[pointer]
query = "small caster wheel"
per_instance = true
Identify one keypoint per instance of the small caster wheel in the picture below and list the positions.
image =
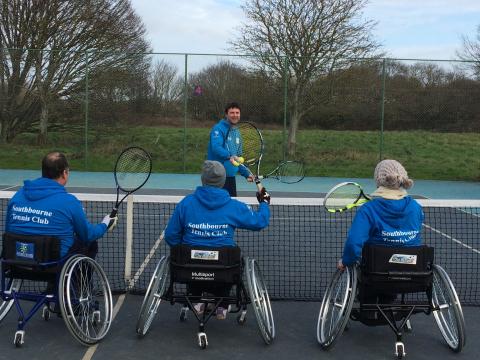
(96, 317)
(46, 313)
(242, 318)
(202, 340)
(19, 336)
(183, 314)
(400, 350)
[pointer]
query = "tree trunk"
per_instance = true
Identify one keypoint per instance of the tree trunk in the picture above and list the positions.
(42, 136)
(294, 122)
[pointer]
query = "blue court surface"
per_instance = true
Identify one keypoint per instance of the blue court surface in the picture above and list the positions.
(180, 184)
(169, 338)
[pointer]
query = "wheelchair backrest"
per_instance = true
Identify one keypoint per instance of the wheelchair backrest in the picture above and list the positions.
(396, 269)
(205, 264)
(30, 249)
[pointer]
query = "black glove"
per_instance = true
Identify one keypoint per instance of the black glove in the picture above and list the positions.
(263, 196)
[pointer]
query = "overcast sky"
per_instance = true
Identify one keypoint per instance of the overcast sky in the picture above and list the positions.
(424, 29)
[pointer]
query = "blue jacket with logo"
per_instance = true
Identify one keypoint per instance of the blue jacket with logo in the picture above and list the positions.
(384, 222)
(43, 207)
(221, 148)
(209, 217)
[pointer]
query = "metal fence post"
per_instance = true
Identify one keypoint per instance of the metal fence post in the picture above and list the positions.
(285, 106)
(382, 109)
(185, 104)
(86, 111)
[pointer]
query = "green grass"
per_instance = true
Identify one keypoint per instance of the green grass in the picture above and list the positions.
(426, 155)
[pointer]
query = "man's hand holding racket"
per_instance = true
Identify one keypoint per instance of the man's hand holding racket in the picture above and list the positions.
(263, 196)
(110, 221)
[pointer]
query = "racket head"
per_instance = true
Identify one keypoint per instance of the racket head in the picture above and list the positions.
(290, 172)
(132, 169)
(245, 140)
(344, 196)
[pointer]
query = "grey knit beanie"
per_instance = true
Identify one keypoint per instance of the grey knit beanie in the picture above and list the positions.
(213, 174)
(392, 175)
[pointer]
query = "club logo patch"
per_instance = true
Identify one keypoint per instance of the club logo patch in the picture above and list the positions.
(24, 250)
(403, 259)
(204, 255)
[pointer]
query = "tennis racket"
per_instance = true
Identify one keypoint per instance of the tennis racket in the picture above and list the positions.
(132, 170)
(246, 142)
(344, 196)
(288, 172)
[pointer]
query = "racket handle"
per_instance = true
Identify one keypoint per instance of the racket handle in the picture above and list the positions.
(114, 212)
(259, 184)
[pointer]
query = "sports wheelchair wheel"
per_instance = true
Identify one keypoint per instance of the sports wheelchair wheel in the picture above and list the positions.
(5, 306)
(336, 306)
(85, 299)
(152, 298)
(447, 310)
(257, 291)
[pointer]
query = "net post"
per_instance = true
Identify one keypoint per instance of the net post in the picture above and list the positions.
(129, 241)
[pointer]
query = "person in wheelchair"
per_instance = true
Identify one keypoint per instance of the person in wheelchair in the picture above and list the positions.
(209, 217)
(49, 239)
(44, 207)
(392, 218)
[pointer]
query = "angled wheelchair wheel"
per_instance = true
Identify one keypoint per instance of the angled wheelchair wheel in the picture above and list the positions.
(85, 299)
(448, 310)
(336, 306)
(152, 298)
(5, 306)
(258, 294)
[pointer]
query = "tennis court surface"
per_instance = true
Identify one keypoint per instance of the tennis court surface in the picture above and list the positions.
(297, 255)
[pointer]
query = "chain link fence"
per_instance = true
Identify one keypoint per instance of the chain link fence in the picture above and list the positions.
(424, 113)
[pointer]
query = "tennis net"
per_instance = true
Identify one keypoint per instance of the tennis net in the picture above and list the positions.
(297, 252)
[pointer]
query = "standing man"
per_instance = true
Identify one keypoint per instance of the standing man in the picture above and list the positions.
(221, 135)
(43, 207)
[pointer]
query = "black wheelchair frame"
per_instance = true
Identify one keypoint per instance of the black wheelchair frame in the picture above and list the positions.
(201, 265)
(368, 293)
(77, 287)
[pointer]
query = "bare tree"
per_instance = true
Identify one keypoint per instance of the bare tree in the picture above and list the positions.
(71, 38)
(304, 39)
(471, 52)
(167, 85)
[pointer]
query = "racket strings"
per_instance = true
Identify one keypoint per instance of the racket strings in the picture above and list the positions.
(343, 196)
(250, 144)
(291, 172)
(133, 169)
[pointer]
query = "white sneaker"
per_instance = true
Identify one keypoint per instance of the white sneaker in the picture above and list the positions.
(221, 313)
(199, 308)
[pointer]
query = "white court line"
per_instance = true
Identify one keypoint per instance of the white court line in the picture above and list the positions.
(91, 350)
(452, 238)
(146, 261)
(8, 188)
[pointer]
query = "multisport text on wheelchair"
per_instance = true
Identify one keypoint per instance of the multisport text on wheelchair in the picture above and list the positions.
(369, 293)
(75, 284)
(191, 266)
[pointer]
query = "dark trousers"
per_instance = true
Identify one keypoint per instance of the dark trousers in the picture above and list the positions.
(231, 185)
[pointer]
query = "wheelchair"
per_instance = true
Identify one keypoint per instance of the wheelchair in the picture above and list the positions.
(202, 267)
(369, 293)
(76, 289)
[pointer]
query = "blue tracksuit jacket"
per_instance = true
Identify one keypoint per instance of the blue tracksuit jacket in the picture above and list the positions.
(209, 217)
(384, 222)
(221, 148)
(43, 207)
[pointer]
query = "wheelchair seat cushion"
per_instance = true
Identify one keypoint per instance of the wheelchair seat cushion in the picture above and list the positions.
(205, 264)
